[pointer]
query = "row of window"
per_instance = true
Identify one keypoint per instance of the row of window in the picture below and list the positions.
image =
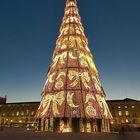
(120, 113)
(20, 120)
(19, 113)
(126, 106)
(126, 120)
(126, 113)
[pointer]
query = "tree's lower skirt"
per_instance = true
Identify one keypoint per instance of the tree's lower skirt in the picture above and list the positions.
(63, 125)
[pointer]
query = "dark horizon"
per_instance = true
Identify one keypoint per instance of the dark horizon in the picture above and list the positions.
(28, 32)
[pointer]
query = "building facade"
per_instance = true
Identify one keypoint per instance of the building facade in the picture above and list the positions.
(18, 114)
(124, 112)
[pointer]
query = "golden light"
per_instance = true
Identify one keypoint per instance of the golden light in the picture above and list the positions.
(112, 122)
(72, 89)
(66, 130)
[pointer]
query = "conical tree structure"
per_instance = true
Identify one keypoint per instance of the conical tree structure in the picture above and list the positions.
(72, 88)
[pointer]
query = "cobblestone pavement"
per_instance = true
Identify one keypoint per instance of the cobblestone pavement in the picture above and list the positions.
(17, 134)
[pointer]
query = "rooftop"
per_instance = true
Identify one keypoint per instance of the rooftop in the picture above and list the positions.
(124, 100)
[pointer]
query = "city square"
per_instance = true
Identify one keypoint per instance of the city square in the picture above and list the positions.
(91, 85)
(19, 134)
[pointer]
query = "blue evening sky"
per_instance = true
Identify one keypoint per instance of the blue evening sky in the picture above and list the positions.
(29, 29)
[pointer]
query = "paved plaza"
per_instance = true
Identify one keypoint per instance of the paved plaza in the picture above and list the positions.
(17, 134)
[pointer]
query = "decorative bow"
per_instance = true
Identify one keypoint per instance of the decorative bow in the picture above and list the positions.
(60, 57)
(57, 99)
(74, 76)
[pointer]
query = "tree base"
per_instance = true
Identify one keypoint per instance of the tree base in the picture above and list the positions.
(63, 125)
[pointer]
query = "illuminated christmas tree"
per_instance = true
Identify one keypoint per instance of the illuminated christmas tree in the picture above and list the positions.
(73, 98)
